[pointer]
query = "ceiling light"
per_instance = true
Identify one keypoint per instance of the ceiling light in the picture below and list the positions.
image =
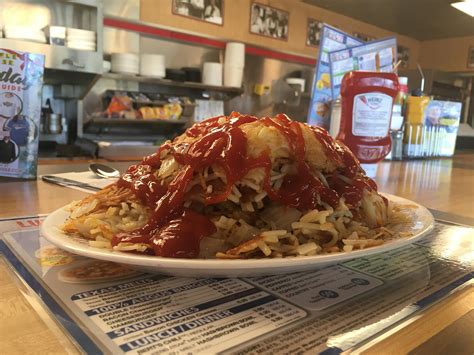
(465, 6)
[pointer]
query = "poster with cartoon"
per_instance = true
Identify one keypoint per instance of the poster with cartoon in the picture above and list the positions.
(21, 81)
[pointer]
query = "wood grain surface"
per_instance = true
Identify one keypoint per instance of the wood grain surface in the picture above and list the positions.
(445, 185)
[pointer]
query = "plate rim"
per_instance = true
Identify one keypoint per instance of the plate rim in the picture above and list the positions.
(164, 263)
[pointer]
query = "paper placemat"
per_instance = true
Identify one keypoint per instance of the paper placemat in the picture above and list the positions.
(329, 310)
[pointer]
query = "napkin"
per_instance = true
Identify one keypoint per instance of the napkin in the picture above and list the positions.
(85, 177)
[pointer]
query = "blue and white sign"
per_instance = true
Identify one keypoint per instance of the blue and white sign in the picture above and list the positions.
(332, 39)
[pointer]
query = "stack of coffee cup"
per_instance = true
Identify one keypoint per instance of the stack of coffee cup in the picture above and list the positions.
(234, 64)
(212, 74)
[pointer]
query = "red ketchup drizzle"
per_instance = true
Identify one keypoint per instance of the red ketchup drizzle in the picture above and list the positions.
(301, 190)
(352, 192)
(180, 238)
(174, 231)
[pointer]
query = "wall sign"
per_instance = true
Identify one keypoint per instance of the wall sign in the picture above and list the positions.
(269, 21)
(205, 10)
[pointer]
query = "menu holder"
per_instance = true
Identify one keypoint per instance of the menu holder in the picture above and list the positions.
(21, 76)
(321, 93)
(376, 56)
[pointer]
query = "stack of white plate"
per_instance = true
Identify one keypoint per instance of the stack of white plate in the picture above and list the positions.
(126, 63)
(152, 65)
(25, 33)
(234, 64)
(80, 39)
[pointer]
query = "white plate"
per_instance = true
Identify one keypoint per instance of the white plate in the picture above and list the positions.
(423, 224)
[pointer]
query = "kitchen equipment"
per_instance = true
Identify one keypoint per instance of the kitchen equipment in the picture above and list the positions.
(176, 74)
(296, 83)
(56, 35)
(308, 76)
(152, 65)
(192, 74)
(212, 74)
(104, 171)
(52, 123)
(126, 63)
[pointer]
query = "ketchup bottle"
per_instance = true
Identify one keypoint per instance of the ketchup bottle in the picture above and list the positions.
(366, 111)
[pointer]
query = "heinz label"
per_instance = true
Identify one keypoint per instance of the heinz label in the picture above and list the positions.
(371, 115)
(21, 81)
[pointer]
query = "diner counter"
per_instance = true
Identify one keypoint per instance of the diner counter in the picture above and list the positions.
(446, 186)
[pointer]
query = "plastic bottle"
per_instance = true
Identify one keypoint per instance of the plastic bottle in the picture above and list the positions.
(403, 93)
(413, 136)
(366, 110)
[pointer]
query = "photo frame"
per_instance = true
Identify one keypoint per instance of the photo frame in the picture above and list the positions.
(403, 54)
(210, 11)
(470, 57)
(268, 21)
(313, 32)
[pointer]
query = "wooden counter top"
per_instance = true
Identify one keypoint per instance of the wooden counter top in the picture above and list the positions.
(443, 185)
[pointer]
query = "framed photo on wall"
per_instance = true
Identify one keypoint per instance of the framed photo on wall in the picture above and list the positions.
(403, 54)
(363, 37)
(205, 10)
(269, 21)
(470, 57)
(313, 32)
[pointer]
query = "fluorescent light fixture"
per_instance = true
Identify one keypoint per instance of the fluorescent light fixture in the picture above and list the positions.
(465, 6)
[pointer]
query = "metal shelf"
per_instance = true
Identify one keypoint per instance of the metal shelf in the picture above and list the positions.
(60, 57)
(147, 121)
(167, 82)
(60, 138)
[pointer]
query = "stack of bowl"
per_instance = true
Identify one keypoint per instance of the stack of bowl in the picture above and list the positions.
(234, 64)
(80, 39)
(152, 65)
(125, 63)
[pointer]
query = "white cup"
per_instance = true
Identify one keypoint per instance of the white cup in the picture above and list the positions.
(212, 74)
(233, 75)
(235, 54)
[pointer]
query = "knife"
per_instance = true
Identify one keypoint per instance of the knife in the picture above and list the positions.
(67, 182)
